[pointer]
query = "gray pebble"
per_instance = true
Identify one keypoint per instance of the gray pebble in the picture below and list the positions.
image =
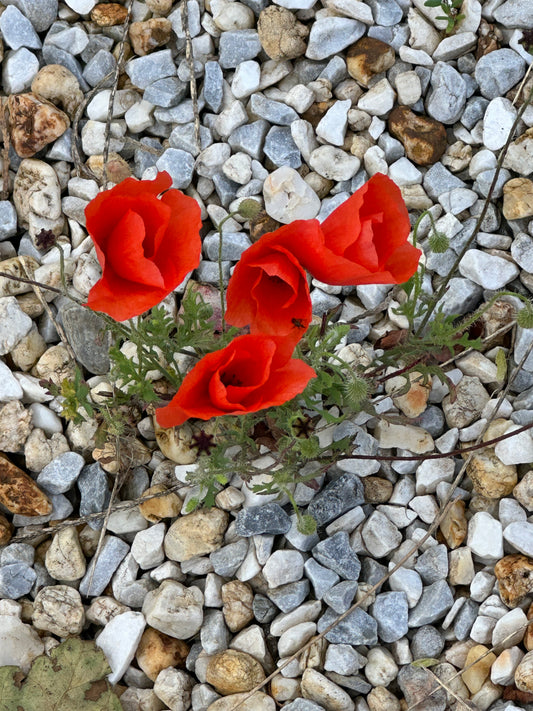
(498, 71)
(17, 553)
(96, 43)
(439, 179)
(303, 705)
(17, 31)
(233, 245)
(420, 690)
(462, 296)
(144, 70)
(432, 565)
(87, 335)
(18, 70)
(226, 189)
(427, 642)
(8, 220)
(180, 166)
(465, 619)
(390, 611)
(330, 35)
(386, 12)
(268, 519)
(356, 628)
(213, 86)
(16, 580)
(166, 92)
(336, 498)
(94, 491)
(281, 148)
(264, 610)
(250, 138)
(341, 596)
(272, 111)
(99, 571)
(59, 476)
(227, 560)
(289, 597)
(238, 46)
(435, 602)
(101, 64)
(322, 579)
(54, 55)
(515, 13)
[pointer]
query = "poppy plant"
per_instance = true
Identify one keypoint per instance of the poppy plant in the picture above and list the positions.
(145, 244)
(248, 375)
(364, 240)
(268, 289)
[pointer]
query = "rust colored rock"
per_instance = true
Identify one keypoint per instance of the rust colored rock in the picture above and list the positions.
(146, 36)
(157, 651)
(515, 578)
(423, 138)
(168, 506)
(19, 493)
(108, 14)
(233, 672)
(368, 57)
(34, 123)
(280, 34)
(518, 198)
(6, 530)
(454, 525)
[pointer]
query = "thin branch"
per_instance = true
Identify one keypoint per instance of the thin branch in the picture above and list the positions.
(190, 63)
(4, 118)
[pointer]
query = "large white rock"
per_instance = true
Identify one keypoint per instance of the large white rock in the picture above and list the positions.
(288, 197)
(119, 641)
(19, 643)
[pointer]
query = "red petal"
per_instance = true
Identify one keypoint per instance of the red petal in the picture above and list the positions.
(125, 253)
(122, 299)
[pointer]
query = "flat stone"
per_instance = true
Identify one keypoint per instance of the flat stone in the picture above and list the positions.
(390, 610)
(357, 628)
(238, 46)
(59, 476)
(17, 31)
(340, 596)
(268, 519)
(330, 35)
(435, 602)
(283, 566)
(94, 492)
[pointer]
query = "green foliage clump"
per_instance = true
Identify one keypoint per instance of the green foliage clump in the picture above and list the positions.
(450, 8)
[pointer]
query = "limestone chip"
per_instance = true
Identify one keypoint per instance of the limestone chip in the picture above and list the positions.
(36, 190)
(58, 84)
(174, 609)
(479, 672)
(157, 651)
(233, 672)
(196, 534)
(16, 267)
(34, 123)
(280, 34)
(58, 609)
(320, 689)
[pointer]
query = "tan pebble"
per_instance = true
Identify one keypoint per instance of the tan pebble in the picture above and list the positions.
(117, 169)
(454, 525)
(515, 578)
(319, 688)
(518, 198)
(176, 443)
(157, 651)
(167, 506)
(64, 558)
(161, 7)
(196, 534)
(19, 493)
(58, 609)
(523, 491)
(381, 699)
(523, 676)
(108, 14)
(239, 702)
(423, 138)
(238, 600)
(528, 637)
(475, 676)
(102, 609)
(233, 672)
(368, 57)
(34, 123)
(133, 453)
(284, 689)
(377, 490)
(490, 477)
(413, 402)
(58, 84)
(461, 567)
(415, 197)
(28, 350)
(146, 36)
(16, 267)
(280, 33)
(55, 364)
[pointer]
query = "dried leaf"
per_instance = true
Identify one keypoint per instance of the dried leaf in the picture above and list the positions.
(72, 677)
(425, 662)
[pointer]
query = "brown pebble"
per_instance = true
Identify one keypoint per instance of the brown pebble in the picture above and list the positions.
(238, 600)
(454, 525)
(108, 14)
(377, 490)
(528, 637)
(423, 138)
(34, 123)
(160, 507)
(157, 651)
(368, 57)
(518, 198)
(6, 530)
(19, 493)
(280, 34)
(515, 578)
(146, 36)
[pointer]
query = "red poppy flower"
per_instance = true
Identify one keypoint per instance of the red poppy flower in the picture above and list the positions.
(364, 240)
(250, 374)
(268, 289)
(145, 245)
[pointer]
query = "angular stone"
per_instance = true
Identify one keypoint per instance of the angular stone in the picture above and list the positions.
(390, 611)
(58, 609)
(174, 609)
(280, 34)
(357, 628)
(34, 123)
(100, 571)
(338, 497)
(196, 534)
(19, 493)
(423, 138)
(336, 554)
(269, 519)
(435, 602)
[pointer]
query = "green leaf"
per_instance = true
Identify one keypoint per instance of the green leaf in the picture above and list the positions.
(433, 3)
(72, 677)
(425, 662)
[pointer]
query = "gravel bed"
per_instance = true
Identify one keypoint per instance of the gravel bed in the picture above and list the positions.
(299, 104)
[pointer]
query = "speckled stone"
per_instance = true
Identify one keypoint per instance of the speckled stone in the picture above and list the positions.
(336, 498)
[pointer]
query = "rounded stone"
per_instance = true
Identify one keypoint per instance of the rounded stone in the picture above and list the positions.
(196, 534)
(233, 672)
